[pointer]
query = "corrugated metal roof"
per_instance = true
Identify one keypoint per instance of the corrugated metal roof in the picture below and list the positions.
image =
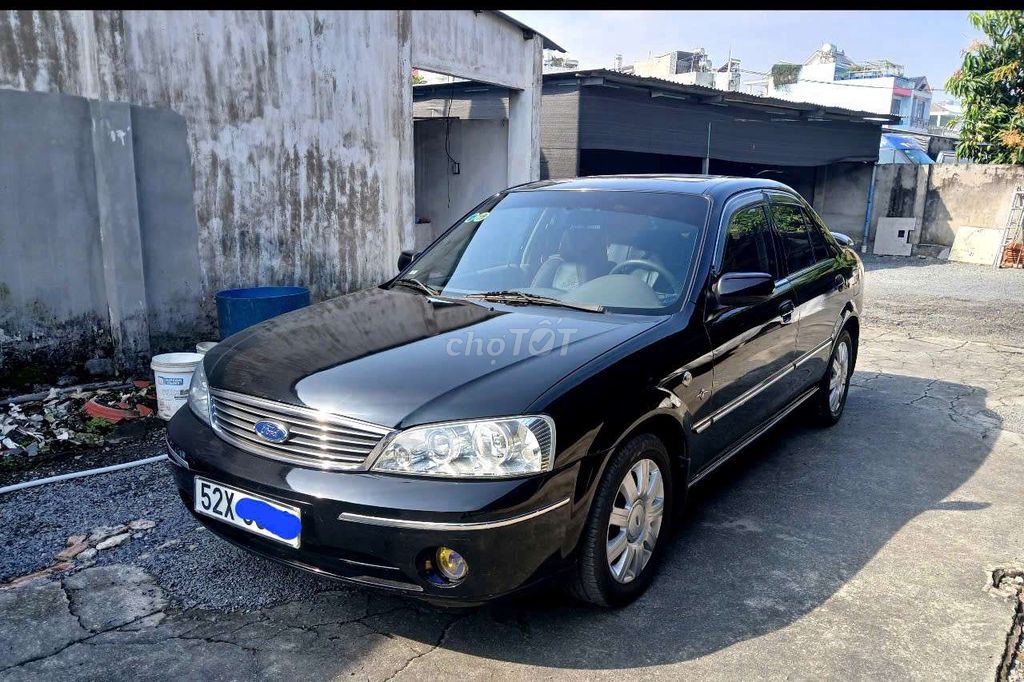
(727, 96)
(900, 141)
(548, 43)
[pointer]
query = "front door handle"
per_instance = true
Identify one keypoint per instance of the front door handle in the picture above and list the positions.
(786, 310)
(840, 282)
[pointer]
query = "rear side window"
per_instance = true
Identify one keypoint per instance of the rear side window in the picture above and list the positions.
(821, 247)
(824, 248)
(792, 225)
(748, 243)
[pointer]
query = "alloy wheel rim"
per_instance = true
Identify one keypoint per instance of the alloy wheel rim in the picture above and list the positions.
(635, 521)
(838, 376)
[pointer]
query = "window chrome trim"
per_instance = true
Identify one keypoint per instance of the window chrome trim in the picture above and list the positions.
(737, 202)
(450, 525)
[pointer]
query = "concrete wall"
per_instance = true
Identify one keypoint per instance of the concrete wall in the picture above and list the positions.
(479, 147)
(99, 255)
(484, 47)
(841, 196)
(298, 131)
(170, 233)
(52, 292)
(942, 198)
(967, 194)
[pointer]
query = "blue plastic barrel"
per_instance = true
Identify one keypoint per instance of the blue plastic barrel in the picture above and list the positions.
(241, 308)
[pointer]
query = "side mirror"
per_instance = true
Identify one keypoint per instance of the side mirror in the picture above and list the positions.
(743, 288)
(405, 258)
(843, 239)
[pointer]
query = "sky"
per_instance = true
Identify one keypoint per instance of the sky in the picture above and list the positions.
(927, 43)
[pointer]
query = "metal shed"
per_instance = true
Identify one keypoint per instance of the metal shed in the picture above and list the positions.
(595, 122)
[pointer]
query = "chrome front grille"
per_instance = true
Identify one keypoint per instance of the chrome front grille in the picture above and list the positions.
(318, 439)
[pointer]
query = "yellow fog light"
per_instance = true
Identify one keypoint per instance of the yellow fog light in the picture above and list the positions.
(451, 564)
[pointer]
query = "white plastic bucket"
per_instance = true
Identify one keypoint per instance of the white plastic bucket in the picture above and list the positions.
(204, 347)
(173, 376)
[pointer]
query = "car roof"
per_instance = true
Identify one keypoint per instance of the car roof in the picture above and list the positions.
(716, 186)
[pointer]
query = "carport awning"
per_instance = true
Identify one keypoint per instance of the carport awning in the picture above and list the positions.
(624, 121)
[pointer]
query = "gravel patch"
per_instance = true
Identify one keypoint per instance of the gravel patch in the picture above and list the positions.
(931, 297)
(195, 567)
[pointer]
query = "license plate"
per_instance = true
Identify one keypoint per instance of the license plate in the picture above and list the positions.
(253, 513)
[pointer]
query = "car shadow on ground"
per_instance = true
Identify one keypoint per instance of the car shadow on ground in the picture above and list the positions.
(766, 539)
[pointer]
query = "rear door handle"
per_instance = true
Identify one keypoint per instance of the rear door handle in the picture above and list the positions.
(786, 310)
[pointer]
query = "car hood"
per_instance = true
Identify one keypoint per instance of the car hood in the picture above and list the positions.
(398, 358)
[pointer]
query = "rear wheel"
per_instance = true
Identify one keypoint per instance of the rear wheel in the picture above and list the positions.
(628, 525)
(830, 401)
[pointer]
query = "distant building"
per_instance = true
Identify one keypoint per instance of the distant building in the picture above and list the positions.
(945, 115)
(422, 77)
(557, 63)
(688, 68)
(831, 78)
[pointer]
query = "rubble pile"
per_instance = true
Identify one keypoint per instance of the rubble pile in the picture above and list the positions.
(65, 420)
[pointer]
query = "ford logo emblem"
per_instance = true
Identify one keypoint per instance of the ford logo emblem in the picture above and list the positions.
(272, 432)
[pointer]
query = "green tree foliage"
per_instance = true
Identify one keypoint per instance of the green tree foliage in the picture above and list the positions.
(990, 86)
(785, 74)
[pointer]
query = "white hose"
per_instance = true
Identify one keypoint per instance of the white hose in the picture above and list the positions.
(80, 474)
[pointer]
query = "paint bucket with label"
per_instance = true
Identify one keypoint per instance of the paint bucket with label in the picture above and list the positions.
(173, 376)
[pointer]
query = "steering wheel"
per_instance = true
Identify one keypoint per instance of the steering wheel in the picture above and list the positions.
(628, 266)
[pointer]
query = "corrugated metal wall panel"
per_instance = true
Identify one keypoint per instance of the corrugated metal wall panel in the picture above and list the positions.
(628, 120)
(559, 131)
(489, 103)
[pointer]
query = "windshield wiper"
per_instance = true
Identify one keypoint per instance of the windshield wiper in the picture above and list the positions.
(416, 284)
(509, 296)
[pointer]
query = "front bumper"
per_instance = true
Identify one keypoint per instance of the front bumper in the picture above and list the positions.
(376, 529)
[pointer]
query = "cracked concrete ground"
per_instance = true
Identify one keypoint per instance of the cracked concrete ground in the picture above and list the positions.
(864, 551)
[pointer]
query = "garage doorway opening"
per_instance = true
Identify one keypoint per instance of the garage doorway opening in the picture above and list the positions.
(460, 149)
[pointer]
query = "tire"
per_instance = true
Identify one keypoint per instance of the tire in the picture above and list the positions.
(595, 580)
(828, 405)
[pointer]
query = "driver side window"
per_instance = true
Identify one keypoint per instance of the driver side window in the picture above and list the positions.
(749, 246)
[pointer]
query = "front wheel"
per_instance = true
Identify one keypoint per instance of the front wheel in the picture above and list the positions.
(830, 401)
(628, 525)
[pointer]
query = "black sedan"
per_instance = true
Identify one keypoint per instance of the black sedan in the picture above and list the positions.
(533, 395)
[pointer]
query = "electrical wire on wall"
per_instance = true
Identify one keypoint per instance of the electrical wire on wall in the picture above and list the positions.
(452, 163)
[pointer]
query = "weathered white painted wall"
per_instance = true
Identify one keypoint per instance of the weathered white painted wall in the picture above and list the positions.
(490, 50)
(959, 195)
(299, 123)
(295, 124)
(476, 45)
(865, 94)
(480, 147)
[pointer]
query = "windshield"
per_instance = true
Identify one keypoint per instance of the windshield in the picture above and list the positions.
(627, 251)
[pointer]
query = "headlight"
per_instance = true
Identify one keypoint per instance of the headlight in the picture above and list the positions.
(488, 448)
(199, 394)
